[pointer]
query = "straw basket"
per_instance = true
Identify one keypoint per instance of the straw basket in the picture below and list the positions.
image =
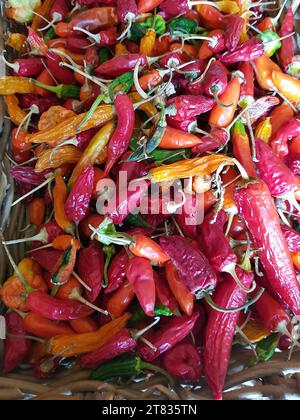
(276, 379)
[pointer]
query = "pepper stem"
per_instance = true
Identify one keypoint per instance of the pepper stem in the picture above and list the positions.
(130, 20)
(150, 366)
(56, 18)
(76, 296)
(230, 269)
(50, 179)
(88, 288)
(138, 334)
(110, 252)
(218, 308)
(275, 20)
(93, 79)
(137, 85)
(42, 236)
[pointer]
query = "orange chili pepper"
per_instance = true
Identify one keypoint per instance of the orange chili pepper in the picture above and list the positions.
(45, 78)
(63, 242)
(296, 259)
(62, 29)
(54, 116)
(16, 114)
(242, 149)
(37, 210)
(264, 130)
(265, 25)
(178, 139)
(120, 300)
(18, 42)
(279, 116)
(254, 329)
(65, 290)
(54, 158)
(39, 326)
(205, 51)
(161, 46)
(60, 195)
(149, 80)
(84, 325)
(85, 343)
(189, 50)
(148, 42)
(9, 85)
(264, 67)
(42, 10)
(145, 6)
(183, 296)
(120, 49)
(221, 117)
(147, 248)
(287, 85)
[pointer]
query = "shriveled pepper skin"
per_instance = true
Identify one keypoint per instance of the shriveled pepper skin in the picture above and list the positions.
(256, 206)
(184, 362)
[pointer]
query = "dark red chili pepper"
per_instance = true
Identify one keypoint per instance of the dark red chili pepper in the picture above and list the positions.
(85, 137)
(184, 125)
(133, 169)
(121, 343)
(60, 10)
(117, 271)
(53, 231)
(287, 50)
(273, 171)
(188, 106)
(164, 295)
(127, 11)
(292, 238)
(92, 56)
(95, 19)
(43, 104)
(27, 67)
(216, 140)
(292, 160)
(121, 64)
(233, 31)
(77, 44)
(120, 140)
(215, 81)
(47, 258)
(183, 361)
(271, 313)
(173, 332)
(56, 309)
(221, 328)
(247, 51)
(191, 264)
(90, 269)
(16, 349)
(173, 58)
(108, 37)
(279, 142)
(187, 216)
(78, 201)
(256, 206)
(140, 275)
(27, 175)
(175, 8)
(247, 87)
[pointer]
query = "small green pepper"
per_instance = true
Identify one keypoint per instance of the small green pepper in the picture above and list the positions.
(136, 220)
(61, 91)
(139, 315)
(270, 40)
(157, 23)
(183, 25)
(137, 32)
(104, 55)
(109, 251)
(265, 349)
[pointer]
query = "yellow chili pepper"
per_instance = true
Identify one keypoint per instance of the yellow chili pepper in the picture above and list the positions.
(16, 114)
(69, 128)
(229, 7)
(18, 42)
(102, 156)
(289, 86)
(91, 153)
(9, 85)
(75, 344)
(55, 115)
(53, 158)
(189, 168)
(148, 42)
(264, 130)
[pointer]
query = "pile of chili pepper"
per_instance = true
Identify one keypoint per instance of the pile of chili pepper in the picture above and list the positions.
(198, 98)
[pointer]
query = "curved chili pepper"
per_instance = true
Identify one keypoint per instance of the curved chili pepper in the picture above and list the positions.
(288, 85)
(247, 51)
(279, 142)
(187, 106)
(183, 361)
(140, 275)
(287, 50)
(220, 330)
(191, 264)
(37, 210)
(256, 207)
(65, 266)
(264, 67)
(211, 17)
(221, 117)
(90, 269)
(173, 332)
(147, 248)
(39, 326)
(27, 67)
(183, 296)
(60, 195)
(121, 64)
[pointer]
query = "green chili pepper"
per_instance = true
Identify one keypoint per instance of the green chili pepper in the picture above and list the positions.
(61, 91)
(265, 349)
(186, 26)
(270, 40)
(294, 69)
(139, 315)
(157, 23)
(109, 251)
(121, 84)
(153, 143)
(104, 55)
(137, 32)
(161, 156)
(50, 34)
(126, 367)
(136, 220)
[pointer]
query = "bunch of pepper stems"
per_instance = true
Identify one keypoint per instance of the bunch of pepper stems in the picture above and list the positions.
(163, 91)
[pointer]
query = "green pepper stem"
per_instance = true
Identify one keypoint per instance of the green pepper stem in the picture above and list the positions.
(218, 308)
(54, 89)
(110, 252)
(77, 296)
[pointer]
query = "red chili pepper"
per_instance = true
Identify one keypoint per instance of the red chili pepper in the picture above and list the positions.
(145, 6)
(56, 309)
(292, 160)
(187, 216)
(211, 17)
(215, 81)
(121, 64)
(120, 300)
(133, 169)
(242, 149)
(92, 56)
(292, 238)
(163, 293)
(220, 330)
(127, 11)
(279, 142)
(108, 37)
(183, 296)
(117, 271)
(121, 343)
(183, 361)
(191, 264)
(39, 326)
(247, 87)
(84, 325)
(120, 140)
(272, 314)
(90, 269)
(256, 206)
(77, 44)
(247, 51)
(27, 175)
(27, 67)
(215, 46)
(16, 349)
(78, 202)
(287, 50)
(173, 331)
(47, 258)
(43, 104)
(216, 140)
(52, 230)
(140, 275)
(60, 10)
(273, 171)
(187, 106)
(233, 31)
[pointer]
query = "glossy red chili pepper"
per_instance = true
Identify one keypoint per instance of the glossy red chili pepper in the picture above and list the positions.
(16, 349)
(171, 333)
(247, 51)
(78, 201)
(27, 175)
(174, 58)
(127, 10)
(211, 17)
(271, 313)
(215, 46)
(279, 142)
(77, 44)
(140, 275)
(90, 269)
(233, 31)
(216, 140)
(256, 206)
(108, 37)
(121, 343)
(164, 295)
(292, 160)
(273, 171)
(191, 264)
(43, 104)
(188, 106)
(27, 67)
(292, 238)
(92, 56)
(56, 309)
(183, 361)
(287, 50)
(221, 328)
(247, 87)
(188, 216)
(215, 81)
(117, 271)
(120, 140)
(60, 10)
(121, 64)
